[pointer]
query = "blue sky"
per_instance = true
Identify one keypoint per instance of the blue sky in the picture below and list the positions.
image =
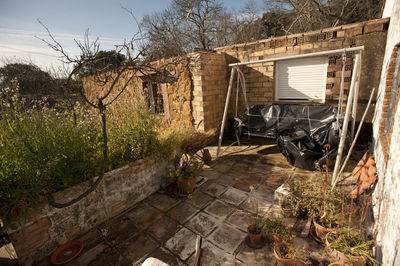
(68, 19)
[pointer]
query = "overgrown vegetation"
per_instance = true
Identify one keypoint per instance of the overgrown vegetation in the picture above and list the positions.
(306, 198)
(350, 244)
(43, 150)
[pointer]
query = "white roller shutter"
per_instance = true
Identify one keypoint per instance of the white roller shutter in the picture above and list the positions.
(301, 79)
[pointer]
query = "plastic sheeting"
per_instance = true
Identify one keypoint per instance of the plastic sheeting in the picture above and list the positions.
(301, 131)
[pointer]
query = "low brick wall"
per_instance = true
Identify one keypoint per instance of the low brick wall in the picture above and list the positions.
(120, 189)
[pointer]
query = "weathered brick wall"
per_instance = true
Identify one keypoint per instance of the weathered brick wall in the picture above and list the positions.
(386, 133)
(260, 80)
(39, 236)
(213, 88)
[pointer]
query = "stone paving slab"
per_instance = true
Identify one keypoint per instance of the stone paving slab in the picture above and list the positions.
(162, 202)
(199, 199)
(167, 257)
(226, 180)
(182, 244)
(202, 224)
(144, 215)
(219, 209)
(213, 189)
(261, 257)
(234, 196)
(120, 229)
(265, 192)
(210, 173)
(227, 237)
(110, 257)
(239, 219)
(182, 212)
(138, 247)
(163, 228)
(212, 255)
(264, 206)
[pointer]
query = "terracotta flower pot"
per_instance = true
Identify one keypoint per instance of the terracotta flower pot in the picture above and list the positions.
(186, 186)
(277, 239)
(67, 252)
(254, 238)
(283, 261)
(321, 231)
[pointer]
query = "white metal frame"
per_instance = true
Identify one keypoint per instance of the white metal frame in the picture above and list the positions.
(352, 98)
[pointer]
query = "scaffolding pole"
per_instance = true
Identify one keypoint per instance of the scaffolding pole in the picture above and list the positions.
(343, 133)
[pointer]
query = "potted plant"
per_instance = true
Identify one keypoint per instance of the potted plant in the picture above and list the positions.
(277, 230)
(315, 199)
(255, 228)
(349, 247)
(255, 225)
(284, 253)
(185, 173)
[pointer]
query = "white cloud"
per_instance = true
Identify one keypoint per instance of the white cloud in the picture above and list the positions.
(23, 44)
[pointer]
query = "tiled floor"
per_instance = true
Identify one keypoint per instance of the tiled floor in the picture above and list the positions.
(166, 228)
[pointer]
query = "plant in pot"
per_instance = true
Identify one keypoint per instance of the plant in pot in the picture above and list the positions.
(186, 173)
(277, 230)
(315, 199)
(255, 225)
(285, 253)
(349, 247)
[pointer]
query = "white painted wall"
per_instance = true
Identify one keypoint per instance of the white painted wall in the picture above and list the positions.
(386, 200)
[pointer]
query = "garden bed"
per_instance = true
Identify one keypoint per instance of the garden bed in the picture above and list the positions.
(42, 232)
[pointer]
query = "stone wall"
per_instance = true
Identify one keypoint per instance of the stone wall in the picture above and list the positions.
(176, 84)
(49, 227)
(386, 202)
(260, 83)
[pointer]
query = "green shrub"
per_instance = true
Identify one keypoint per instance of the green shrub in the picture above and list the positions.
(132, 136)
(43, 152)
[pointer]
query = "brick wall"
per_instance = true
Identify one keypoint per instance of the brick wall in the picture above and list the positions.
(386, 127)
(260, 80)
(390, 102)
(39, 236)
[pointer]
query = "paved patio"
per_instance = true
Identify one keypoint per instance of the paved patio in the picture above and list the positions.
(166, 228)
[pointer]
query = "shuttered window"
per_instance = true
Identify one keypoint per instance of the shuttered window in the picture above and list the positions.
(301, 79)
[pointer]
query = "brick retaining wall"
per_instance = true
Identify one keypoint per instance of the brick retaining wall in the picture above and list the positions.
(38, 236)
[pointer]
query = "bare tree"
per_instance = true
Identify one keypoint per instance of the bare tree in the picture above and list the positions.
(164, 34)
(307, 15)
(111, 78)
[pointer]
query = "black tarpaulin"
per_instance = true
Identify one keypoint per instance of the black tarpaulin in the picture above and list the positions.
(301, 131)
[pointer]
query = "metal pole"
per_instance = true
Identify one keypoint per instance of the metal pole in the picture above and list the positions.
(340, 105)
(246, 105)
(355, 99)
(228, 96)
(346, 120)
(351, 49)
(355, 138)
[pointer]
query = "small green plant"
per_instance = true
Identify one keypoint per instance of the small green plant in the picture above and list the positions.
(187, 167)
(275, 227)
